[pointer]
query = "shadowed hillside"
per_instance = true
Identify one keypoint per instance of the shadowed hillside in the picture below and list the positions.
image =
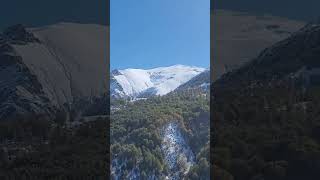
(238, 37)
(54, 102)
(266, 113)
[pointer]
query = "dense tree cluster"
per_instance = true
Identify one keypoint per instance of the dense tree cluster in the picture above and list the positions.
(269, 132)
(136, 131)
(34, 147)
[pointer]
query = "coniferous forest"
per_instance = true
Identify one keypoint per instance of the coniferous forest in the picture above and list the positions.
(34, 147)
(136, 134)
(266, 114)
(272, 133)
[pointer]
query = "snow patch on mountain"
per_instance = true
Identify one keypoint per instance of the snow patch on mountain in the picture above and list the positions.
(201, 81)
(178, 155)
(144, 83)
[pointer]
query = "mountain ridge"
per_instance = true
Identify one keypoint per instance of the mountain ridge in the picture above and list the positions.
(139, 83)
(279, 62)
(60, 62)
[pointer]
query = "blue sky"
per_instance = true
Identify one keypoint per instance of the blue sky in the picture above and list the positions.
(153, 33)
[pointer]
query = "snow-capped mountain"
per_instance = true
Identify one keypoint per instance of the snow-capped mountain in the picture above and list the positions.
(138, 83)
(201, 81)
(46, 68)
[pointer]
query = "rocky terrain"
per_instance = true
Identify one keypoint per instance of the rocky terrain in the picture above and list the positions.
(55, 67)
(178, 154)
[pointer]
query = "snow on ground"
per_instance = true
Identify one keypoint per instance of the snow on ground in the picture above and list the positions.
(205, 85)
(157, 81)
(176, 150)
(117, 171)
(178, 156)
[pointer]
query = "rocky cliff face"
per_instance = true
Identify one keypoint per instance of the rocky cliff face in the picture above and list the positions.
(20, 91)
(62, 66)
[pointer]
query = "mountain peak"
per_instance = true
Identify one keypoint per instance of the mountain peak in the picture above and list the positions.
(18, 34)
(147, 82)
(115, 72)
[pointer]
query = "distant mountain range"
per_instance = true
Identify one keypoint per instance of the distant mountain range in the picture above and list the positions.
(142, 83)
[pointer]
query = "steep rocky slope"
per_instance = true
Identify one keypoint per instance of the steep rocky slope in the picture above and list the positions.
(49, 68)
(294, 57)
(238, 37)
